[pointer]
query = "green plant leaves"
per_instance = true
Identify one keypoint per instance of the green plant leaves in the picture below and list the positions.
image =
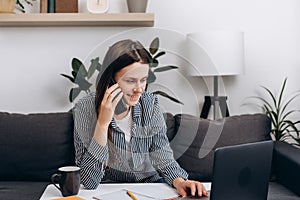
(81, 75)
(83, 83)
(79, 68)
(76, 64)
(154, 46)
(20, 4)
(151, 77)
(165, 68)
(68, 77)
(159, 54)
(276, 110)
(154, 63)
(93, 67)
(74, 92)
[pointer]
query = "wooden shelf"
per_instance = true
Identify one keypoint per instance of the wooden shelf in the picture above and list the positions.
(76, 19)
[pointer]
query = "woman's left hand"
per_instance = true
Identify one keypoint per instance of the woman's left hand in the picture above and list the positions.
(189, 187)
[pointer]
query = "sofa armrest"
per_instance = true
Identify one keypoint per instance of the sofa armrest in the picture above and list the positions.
(286, 158)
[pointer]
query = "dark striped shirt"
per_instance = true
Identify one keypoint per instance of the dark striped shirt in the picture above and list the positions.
(151, 156)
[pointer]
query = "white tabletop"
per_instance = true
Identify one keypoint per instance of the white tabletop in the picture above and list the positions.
(155, 190)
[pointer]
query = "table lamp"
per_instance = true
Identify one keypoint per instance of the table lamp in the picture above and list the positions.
(215, 54)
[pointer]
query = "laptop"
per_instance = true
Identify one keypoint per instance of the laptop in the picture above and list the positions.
(241, 172)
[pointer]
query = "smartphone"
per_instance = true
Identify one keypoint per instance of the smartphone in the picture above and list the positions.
(121, 106)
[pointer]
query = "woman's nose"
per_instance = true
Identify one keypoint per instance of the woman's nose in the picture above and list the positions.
(138, 87)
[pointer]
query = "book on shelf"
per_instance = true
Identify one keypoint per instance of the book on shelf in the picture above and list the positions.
(66, 6)
(51, 6)
(43, 6)
(58, 6)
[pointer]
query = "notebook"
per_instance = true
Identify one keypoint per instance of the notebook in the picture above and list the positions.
(241, 172)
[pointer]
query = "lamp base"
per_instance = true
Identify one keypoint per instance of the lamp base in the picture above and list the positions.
(211, 101)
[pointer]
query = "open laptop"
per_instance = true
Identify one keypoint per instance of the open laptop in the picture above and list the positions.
(241, 172)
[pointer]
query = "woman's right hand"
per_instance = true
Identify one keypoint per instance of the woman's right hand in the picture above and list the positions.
(109, 102)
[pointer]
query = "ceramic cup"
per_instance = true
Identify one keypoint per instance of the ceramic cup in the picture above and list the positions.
(137, 6)
(68, 179)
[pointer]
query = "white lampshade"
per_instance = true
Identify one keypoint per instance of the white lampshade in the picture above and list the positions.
(215, 53)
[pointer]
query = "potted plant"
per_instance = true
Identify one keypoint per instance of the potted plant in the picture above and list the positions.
(155, 68)
(8, 6)
(80, 75)
(20, 4)
(283, 128)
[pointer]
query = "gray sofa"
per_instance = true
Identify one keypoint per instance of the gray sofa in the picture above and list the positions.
(33, 146)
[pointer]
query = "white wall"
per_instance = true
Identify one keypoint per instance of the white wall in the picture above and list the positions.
(33, 58)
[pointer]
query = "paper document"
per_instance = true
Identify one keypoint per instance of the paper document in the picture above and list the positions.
(142, 192)
(122, 194)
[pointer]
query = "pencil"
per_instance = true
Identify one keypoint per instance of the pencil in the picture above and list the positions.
(131, 195)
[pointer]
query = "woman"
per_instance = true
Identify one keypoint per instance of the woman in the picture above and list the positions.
(129, 145)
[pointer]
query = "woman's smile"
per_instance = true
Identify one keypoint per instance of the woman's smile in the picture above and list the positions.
(135, 97)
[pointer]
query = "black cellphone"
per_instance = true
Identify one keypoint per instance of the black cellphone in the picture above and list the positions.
(121, 106)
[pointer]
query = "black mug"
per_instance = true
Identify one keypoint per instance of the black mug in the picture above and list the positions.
(68, 179)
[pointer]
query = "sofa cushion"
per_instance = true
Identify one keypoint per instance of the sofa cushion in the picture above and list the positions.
(11, 190)
(279, 192)
(170, 122)
(197, 138)
(33, 146)
(287, 165)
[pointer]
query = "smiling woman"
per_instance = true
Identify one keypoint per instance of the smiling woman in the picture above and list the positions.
(131, 146)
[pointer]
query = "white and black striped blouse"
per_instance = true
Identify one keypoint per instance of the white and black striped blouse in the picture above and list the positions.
(151, 156)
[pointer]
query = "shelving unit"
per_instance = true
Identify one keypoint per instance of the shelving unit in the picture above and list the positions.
(76, 19)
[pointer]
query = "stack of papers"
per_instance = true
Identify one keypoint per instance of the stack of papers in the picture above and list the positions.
(153, 191)
(143, 192)
(122, 194)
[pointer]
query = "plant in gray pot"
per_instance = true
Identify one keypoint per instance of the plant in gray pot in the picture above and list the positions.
(137, 6)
